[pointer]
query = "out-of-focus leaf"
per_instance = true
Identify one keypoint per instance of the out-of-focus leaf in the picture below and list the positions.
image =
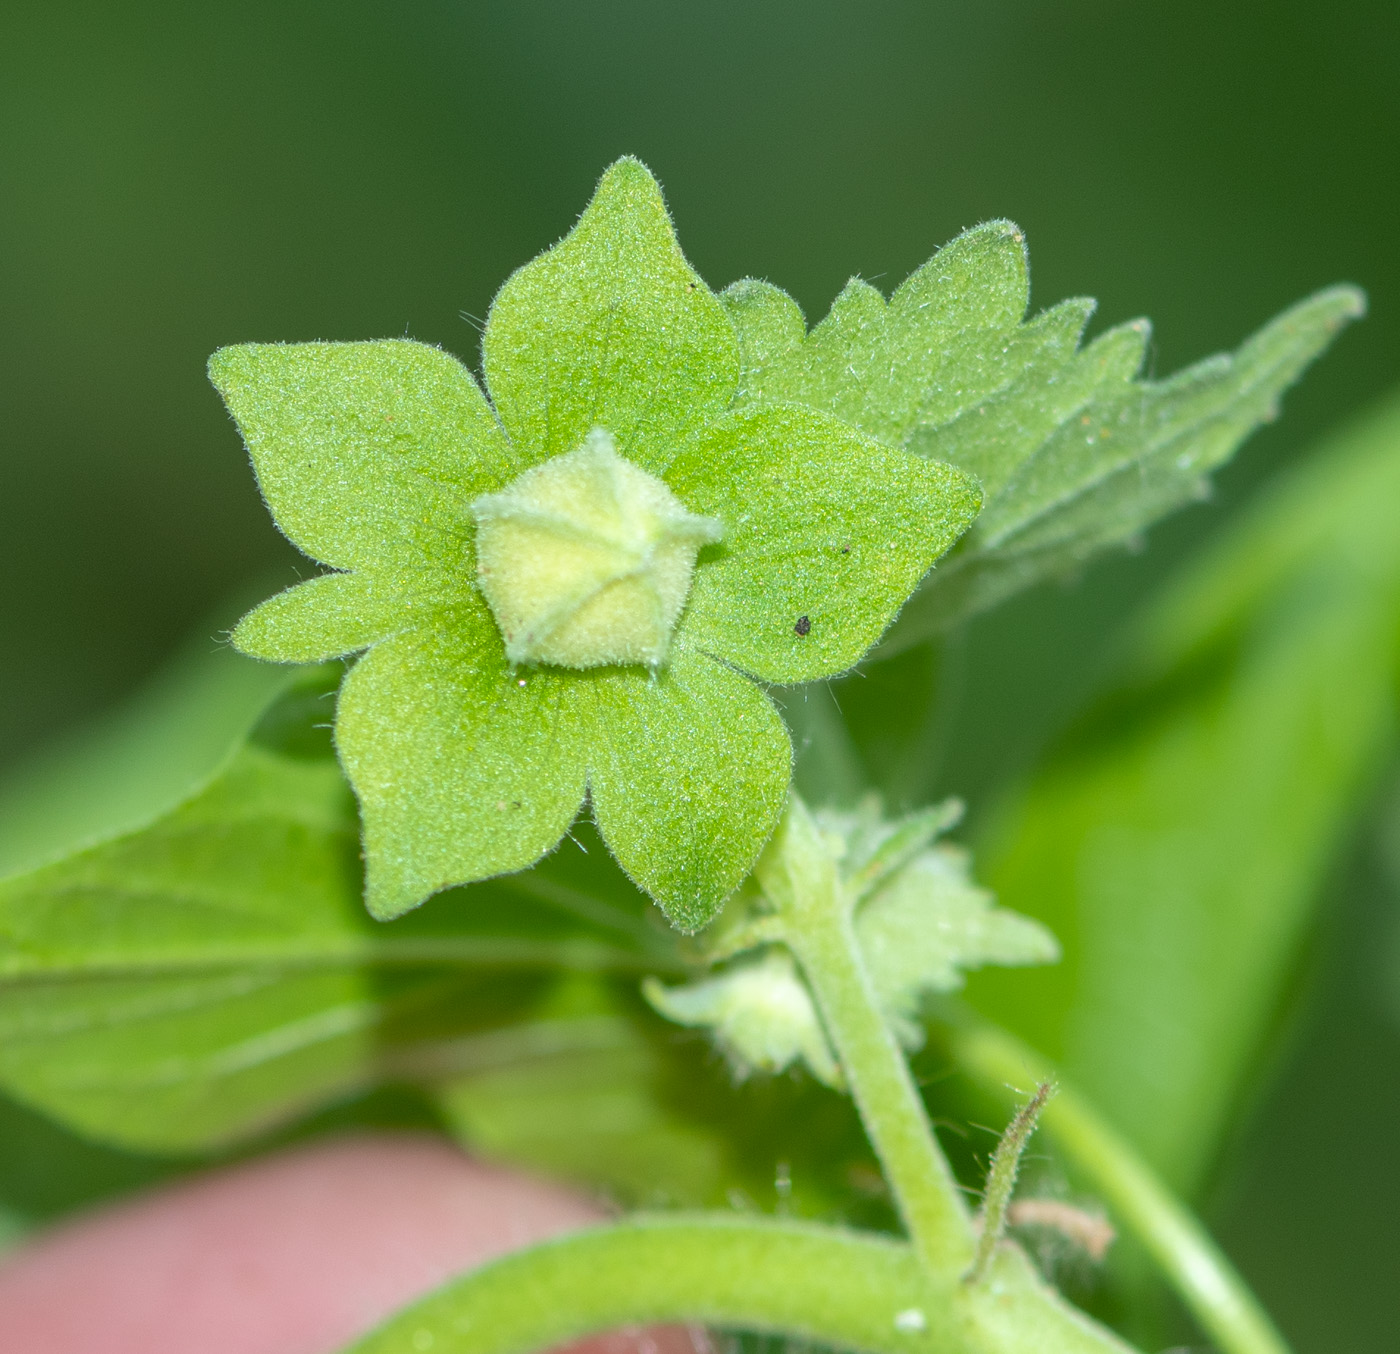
(577, 1093)
(1177, 841)
(1073, 453)
(597, 1090)
(214, 973)
(138, 762)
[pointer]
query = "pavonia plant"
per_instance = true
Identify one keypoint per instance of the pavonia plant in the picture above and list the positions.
(517, 811)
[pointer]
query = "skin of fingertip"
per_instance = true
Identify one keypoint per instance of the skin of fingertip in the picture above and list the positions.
(297, 1252)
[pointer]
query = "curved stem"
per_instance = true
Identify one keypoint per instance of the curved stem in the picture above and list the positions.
(1207, 1282)
(852, 1290)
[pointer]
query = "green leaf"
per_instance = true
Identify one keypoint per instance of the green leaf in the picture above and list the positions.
(927, 926)
(367, 453)
(827, 533)
(670, 758)
(136, 762)
(1073, 454)
(213, 974)
(1123, 458)
(463, 768)
(611, 328)
(577, 1093)
(937, 347)
(1178, 840)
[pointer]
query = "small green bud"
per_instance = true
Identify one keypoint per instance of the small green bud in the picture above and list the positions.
(760, 1012)
(586, 559)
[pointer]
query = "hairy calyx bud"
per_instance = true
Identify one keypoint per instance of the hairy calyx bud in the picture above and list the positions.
(586, 559)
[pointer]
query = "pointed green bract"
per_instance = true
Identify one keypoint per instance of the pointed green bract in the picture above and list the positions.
(338, 614)
(464, 769)
(367, 453)
(610, 329)
(671, 759)
(813, 566)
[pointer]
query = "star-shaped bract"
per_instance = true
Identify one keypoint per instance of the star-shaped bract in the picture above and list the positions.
(371, 456)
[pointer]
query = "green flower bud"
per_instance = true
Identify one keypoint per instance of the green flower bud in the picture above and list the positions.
(586, 559)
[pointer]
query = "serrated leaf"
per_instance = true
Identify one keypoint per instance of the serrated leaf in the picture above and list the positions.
(938, 343)
(611, 328)
(1074, 455)
(1178, 839)
(813, 565)
(1129, 455)
(213, 974)
(929, 925)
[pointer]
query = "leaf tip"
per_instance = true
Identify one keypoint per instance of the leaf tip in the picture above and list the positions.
(627, 181)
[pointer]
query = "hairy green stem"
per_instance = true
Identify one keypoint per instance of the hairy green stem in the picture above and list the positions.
(847, 1289)
(1206, 1281)
(821, 932)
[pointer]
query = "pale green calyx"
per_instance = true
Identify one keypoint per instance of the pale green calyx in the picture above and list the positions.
(389, 463)
(586, 559)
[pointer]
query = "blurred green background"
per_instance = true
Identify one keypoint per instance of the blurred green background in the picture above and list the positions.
(177, 177)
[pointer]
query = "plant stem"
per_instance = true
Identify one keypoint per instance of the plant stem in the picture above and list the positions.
(799, 1280)
(1207, 1282)
(821, 933)
(718, 1270)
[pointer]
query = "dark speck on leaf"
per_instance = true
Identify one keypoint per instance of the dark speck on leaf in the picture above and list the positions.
(802, 627)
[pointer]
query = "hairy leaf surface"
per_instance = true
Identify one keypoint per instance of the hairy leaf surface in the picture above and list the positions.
(1073, 453)
(470, 756)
